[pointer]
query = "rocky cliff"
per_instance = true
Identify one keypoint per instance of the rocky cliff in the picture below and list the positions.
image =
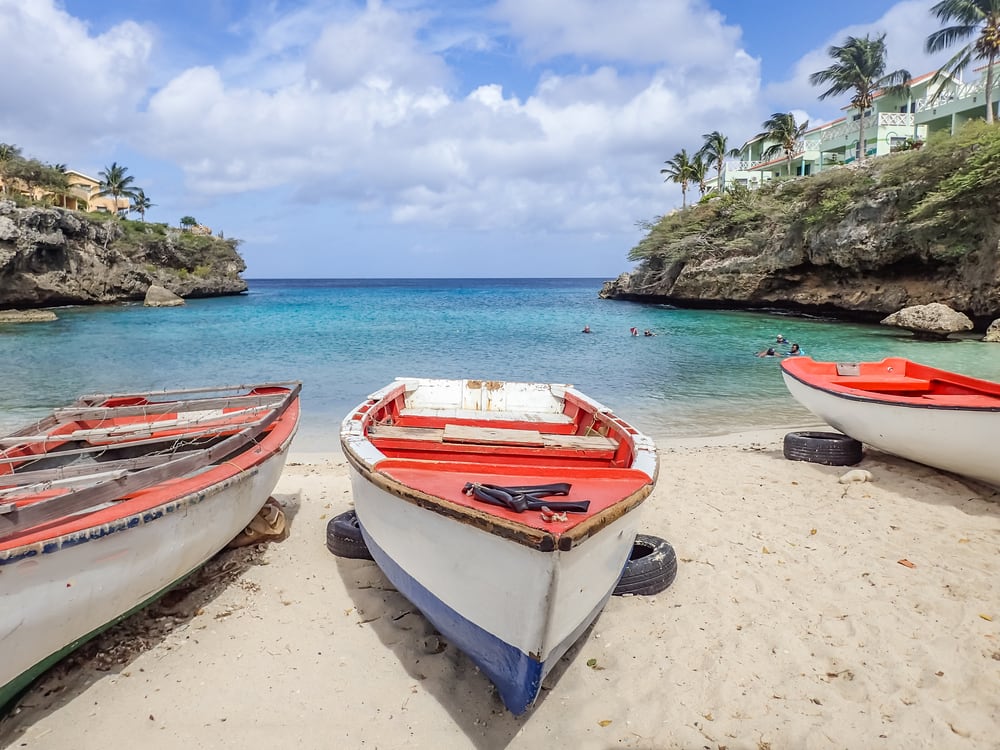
(51, 256)
(853, 242)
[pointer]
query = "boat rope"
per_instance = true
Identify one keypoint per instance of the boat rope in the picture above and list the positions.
(520, 499)
(235, 465)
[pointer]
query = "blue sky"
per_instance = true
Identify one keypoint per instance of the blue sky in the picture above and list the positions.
(419, 138)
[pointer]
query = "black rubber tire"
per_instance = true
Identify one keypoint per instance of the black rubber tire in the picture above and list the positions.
(343, 537)
(829, 448)
(651, 567)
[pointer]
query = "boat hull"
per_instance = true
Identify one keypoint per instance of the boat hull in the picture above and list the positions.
(513, 609)
(952, 439)
(64, 591)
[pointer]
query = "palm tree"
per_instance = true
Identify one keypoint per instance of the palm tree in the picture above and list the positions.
(141, 203)
(715, 151)
(786, 134)
(678, 170)
(974, 19)
(699, 172)
(117, 184)
(8, 155)
(859, 66)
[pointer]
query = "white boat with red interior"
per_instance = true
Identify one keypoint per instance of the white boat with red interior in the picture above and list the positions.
(921, 413)
(106, 503)
(504, 511)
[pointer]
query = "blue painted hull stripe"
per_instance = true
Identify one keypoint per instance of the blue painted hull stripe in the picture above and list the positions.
(516, 675)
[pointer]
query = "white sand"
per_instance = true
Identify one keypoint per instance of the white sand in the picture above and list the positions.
(791, 625)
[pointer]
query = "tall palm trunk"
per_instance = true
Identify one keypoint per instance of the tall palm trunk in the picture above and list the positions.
(861, 137)
(989, 88)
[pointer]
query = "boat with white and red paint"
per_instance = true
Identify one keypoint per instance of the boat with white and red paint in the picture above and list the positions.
(505, 512)
(107, 503)
(921, 413)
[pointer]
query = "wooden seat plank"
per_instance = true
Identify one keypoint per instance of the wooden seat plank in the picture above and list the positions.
(884, 384)
(469, 435)
(388, 431)
(454, 433)
(580, 442)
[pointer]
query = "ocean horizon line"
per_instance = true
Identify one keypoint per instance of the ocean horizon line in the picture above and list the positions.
(425, 278)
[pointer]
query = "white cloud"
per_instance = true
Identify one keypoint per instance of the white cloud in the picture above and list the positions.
(63, 87)
(906, 26)
(358, 106)
(378, 46)
(378, 127)
(679, 32)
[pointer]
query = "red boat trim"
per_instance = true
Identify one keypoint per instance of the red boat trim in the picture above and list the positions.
(921, 387)
(426, 459)
(153, 502)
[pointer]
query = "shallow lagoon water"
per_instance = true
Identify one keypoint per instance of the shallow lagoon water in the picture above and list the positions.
(345, 338)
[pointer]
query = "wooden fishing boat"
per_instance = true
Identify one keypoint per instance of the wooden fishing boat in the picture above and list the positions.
(931, 416)
(107, 503)
(504, 511)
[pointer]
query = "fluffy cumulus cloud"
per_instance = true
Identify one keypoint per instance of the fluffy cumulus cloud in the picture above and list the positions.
(359, 103)
(656, 32)
(906, 26)
(63, 86)
(374, 115)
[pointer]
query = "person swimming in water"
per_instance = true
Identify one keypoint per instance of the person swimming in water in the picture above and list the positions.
(586, 329)
(769, 352)
(795, 350)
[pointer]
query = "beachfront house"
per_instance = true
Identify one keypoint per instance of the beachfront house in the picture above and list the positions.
(82, 195)
(892, 122)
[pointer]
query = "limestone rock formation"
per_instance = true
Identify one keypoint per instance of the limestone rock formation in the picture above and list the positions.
(26, 316)
(53, 256)
(933, 321)
(855, 244)
(993, 332)
(157, 296)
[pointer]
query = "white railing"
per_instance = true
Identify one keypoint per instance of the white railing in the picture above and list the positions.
(849, 129)
(838, 132)
(895, 119)
(955, 93)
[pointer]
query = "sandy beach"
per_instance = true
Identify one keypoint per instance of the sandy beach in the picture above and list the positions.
(806, 613)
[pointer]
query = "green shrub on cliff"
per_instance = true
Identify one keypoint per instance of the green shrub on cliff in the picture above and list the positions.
(944, 194)
(969, 183)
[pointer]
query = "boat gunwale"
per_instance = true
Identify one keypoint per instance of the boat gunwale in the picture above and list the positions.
(513, 530)
(887, 399)
(9, 536)
(141, 517)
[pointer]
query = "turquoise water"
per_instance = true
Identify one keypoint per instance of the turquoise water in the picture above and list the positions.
(346, 338)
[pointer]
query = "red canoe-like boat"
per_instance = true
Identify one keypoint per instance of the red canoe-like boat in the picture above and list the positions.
(931, 416)
(107, 503)
(504, 511)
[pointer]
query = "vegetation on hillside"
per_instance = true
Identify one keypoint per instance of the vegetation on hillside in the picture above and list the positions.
(946, 191)
(173, 248)
(183, 252)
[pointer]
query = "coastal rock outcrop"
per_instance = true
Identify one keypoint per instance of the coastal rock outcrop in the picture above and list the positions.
(852, 243)
(27, 316)
(933, 321)
(157, 296)
(993, 332)
(53, 256)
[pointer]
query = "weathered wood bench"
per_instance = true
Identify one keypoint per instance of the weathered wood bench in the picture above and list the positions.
(472, 435)
(902, 383)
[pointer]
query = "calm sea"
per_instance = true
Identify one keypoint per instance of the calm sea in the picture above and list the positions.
(346, 338)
